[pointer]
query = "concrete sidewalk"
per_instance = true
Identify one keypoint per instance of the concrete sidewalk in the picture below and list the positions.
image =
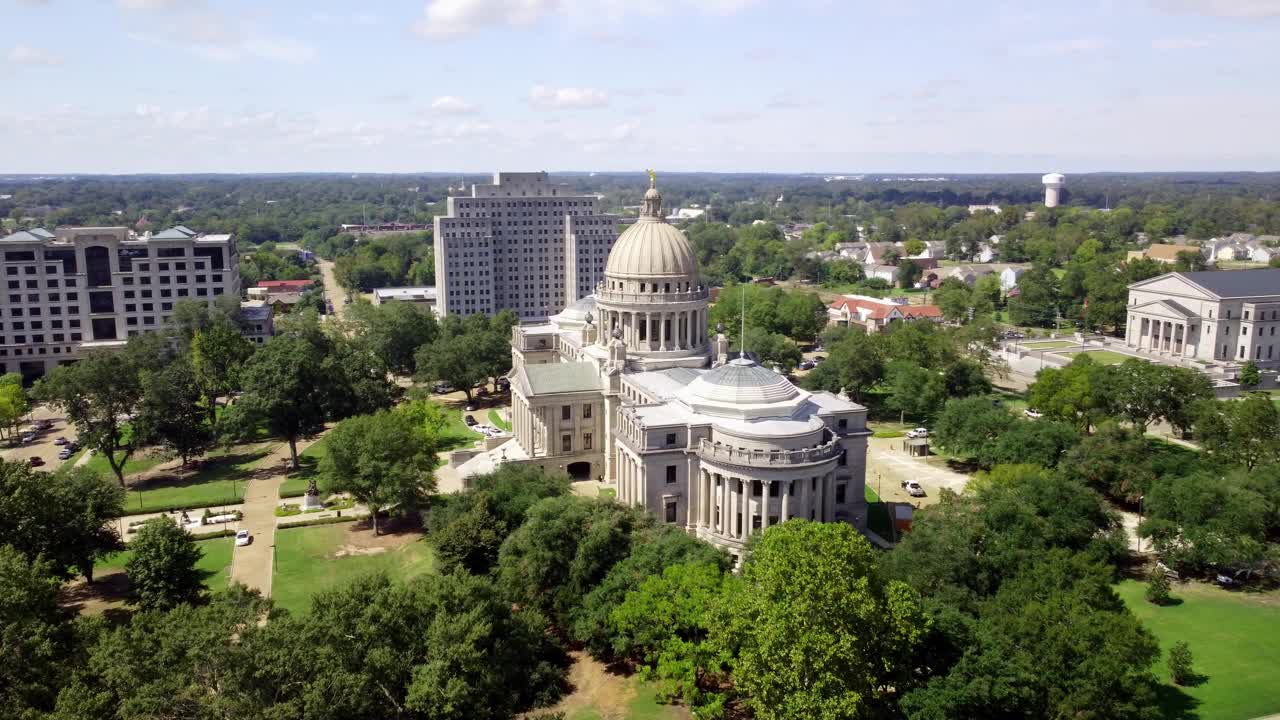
(253, 564)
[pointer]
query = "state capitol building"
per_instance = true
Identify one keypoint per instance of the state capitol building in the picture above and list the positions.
(628, 387)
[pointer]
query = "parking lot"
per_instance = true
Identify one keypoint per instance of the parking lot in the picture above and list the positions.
(43, 445)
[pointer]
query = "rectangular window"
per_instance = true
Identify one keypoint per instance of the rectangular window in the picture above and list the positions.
(566, 412)
(566, 443)
(586, 441)
(586, 412)
(671, 474)
(670, 511)
(842, 424)
(840, 493)
(671, 439)
(773, 489)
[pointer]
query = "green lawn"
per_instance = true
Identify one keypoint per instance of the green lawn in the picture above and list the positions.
(609, 493)
(641, 706)
(1234, 638)
(220, 481)
(455, 433)
(305, 563)
(496, 420)
(1105, 357)
(139, 461)
(878, 518)
(216, 561)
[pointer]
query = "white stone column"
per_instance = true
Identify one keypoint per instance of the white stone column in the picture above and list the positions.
(764, 505)
(746, 509)
(723, 506)
(785, 491)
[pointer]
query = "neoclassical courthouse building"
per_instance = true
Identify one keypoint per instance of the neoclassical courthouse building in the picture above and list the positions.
(627, 386)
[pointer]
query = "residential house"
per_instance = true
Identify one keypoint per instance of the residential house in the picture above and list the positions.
(875, 314)
(1009, 277)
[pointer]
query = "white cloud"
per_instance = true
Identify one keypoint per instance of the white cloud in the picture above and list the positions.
(790, 101)
(218, 37)
(28, 55)
(1181, 43)
(447, 19)
(452, 105)
(1076, 46)
(553, 98)
(1223, 8)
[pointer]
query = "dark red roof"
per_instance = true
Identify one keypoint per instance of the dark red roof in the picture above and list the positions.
(284, 283)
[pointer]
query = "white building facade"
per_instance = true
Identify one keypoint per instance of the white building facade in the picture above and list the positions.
(628, 387)
(521, 243)
(1218, 317)
(80, 289)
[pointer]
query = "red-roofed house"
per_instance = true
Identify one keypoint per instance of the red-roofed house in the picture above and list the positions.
(275, 287)
(875, 314)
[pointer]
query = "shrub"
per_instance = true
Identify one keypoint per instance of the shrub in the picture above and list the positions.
(1157, 587)
(1180, 664)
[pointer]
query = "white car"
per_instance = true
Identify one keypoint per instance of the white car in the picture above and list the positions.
(918, 433)
(1033, 413)
(243, 538)
(914, 489)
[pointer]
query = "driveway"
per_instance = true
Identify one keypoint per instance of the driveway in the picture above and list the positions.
(42, 447)
(333, 292)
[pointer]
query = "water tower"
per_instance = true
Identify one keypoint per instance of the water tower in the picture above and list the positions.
(1053, 183)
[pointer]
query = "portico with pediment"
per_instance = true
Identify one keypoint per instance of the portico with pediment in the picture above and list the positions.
(1163, 326)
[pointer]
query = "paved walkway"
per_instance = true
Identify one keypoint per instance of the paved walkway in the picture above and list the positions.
(333, 292)
(252, 564)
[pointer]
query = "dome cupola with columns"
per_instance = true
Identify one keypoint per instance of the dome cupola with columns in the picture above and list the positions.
(652, 293)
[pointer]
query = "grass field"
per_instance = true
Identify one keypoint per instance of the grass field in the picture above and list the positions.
(1105, 357)
(139, 461)
(220, 481)
(496, 420)
(1234, 639)
(312, 559)
(878, 515)
(216, 561)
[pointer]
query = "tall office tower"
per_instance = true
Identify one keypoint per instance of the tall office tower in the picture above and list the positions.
(88, 288)
(524, 244)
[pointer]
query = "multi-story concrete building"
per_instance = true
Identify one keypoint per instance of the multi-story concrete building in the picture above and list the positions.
(78, 289)
(522, 243)
(629, 387)
(1223, 317)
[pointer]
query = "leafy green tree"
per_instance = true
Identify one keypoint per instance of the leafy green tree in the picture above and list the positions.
(814, 630)
(64, 518)
(772, 349)
(1043, 442)
(1076, 394)
(96, 394)
(1135, 391)
(855, 363)
(565, 547)
(382, 460)
(1037, 301)
(908, 274)
(1090, 657)
(162, 566)
(192, 317)
(452, 360)
(966, 426)
(664, 623)
(1157, 592)
(913, 390)
(393, 332)
(654, 548)
(1245, 431)
(287, 389)
(1208, 520)
(170, 412)
(1249, 375)
(1115, 461)
(804, 315)
(35, 632)
(1189, 261)
(1181, 667)
(218, 353)
(14, 405)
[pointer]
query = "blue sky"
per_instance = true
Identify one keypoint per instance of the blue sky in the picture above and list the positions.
(716, 85)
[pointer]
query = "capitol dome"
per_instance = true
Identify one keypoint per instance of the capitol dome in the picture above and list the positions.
(652, 249)
(741, 388)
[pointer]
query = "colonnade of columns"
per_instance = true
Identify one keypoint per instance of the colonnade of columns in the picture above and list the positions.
(658, 330)
(724, 503)
(528, 425)
(633, 484)
(1158, 335)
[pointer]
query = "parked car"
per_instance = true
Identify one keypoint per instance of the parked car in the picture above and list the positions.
(35, 461)
(819, 358)
(28, 438)
(469, 420)
(65, 454)
(918, 433)
(74, 445)
(1033, 413)
(43, 425)
(442, 388)
(807, 365)
(59, 440)
(472, 407)
(243, 537)
(914, 489)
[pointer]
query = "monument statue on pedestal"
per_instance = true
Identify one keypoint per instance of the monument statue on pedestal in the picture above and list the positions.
(311, 501)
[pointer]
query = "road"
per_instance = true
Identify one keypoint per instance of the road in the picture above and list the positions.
(332, 291)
